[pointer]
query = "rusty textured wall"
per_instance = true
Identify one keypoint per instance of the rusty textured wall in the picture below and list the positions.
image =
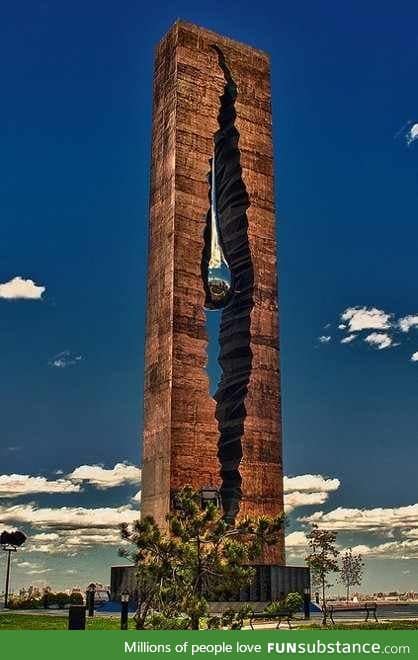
(181, 433)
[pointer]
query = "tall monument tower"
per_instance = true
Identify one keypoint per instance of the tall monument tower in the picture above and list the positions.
(212, 245)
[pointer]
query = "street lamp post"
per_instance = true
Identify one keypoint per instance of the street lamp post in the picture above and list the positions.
(124, 598)
(10, 542)
(9, 550)
(306, 602)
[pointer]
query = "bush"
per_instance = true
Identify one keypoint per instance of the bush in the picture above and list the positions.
(24, 603)
(234, 619)
(76, 598)
(61, 599)
(293, 602)
(158, 621)
(214, 622)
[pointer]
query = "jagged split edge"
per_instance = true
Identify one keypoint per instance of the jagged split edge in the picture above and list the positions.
(235, 356)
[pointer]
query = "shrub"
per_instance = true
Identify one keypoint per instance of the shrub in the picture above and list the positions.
(293, 602)
(214, 622)
(76, 598)
(234, 619)
(61, 599)
(158, 621)
(24, 603)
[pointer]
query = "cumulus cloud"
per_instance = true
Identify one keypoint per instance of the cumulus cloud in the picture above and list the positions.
(408, 322)
(27, 564)
(65, 359)
(324, 339)
(379, 340)
(66, 517)
(366, 318)
(392, 550)
(18, 288)
(388, 331)
(307, 490)
(102, 478)
(296, 540)
(45, 536)
(310, 482)
(137, 497)
(348, 339)
(377, 519)
(68, 530)
(297, 499)
(73, 541)
(412, 134)
(13, 485)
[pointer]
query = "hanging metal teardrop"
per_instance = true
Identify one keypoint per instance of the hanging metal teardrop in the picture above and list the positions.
(219, 272)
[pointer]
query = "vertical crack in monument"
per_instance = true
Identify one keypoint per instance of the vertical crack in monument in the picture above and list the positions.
(228, 278)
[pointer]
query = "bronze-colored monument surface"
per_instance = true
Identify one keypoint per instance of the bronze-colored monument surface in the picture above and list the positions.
(212, 152)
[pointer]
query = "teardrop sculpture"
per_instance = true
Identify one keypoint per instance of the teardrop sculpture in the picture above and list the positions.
(219, 272)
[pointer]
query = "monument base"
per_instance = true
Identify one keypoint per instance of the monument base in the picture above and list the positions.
(271, 583)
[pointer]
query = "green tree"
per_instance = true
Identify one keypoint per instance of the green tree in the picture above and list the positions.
(201, 556)
(322, 558)
(351, 571)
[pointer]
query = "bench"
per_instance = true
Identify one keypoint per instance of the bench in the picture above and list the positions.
(264, 616)
(369, 608)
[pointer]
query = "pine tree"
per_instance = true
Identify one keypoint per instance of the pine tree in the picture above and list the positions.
(201, 557)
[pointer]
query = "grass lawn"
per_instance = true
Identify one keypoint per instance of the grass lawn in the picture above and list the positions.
(11, 621)
(384, 625)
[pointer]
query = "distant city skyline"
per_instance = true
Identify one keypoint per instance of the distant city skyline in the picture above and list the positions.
(75, 118)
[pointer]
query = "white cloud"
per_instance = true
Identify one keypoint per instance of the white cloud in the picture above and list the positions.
(27, 564)
(13, 485)
(298, 499)
(366, 318)
(103, 478)
(44, 536)
(412, 134)
(342, 326)
(65, 359)
(408, 322)
(72, 541)
(18, 288)
(348, 339)
(68, 530)
(67, 517)
(307, 490)
(377, 519)
(137, 497)
(296, 540)
(392, 550)
(324, 339)
(310, 482)
(379, 339)
(414, 357)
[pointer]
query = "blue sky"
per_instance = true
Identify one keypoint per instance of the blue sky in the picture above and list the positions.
(75, 133)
